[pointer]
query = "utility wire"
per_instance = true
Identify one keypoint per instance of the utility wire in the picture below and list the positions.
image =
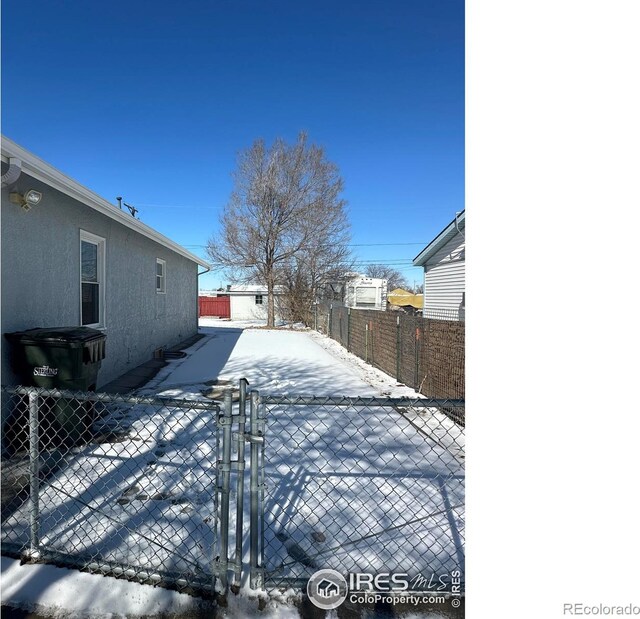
(352, 244)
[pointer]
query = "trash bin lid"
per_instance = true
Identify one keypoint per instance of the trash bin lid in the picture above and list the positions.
(56, 335)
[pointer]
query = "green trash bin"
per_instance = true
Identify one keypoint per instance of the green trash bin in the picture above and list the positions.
(60, 358)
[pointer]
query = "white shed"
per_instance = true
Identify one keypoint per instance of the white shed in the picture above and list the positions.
(444, 272)
(249, 302)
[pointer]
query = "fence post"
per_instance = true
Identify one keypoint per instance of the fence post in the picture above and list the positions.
(242, 401)
(426, 370)
(366, 342)
(398, 348)
(34, 474)
(349, 329)
(225, 468)
(330, 329)
(373, 343)
(417, 359)
(255, 574)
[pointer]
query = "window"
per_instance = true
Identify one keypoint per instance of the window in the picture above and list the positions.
(92, 251)
(365, 296)
(258, 299)
(161, 268)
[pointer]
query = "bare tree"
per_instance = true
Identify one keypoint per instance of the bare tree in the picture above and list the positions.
(394, 278)
(311, 269)
(285, 221)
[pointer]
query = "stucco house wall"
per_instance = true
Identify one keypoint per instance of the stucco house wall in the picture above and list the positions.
(41, 279)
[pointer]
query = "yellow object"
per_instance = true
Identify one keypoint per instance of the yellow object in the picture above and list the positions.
(403, 297)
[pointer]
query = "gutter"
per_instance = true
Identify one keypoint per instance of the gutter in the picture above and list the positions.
(13, 173)
(457, 226)
(442, 238)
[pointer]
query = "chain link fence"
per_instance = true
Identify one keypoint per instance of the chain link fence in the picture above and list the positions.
(116, 485)
(426, 354)
(153, 489)
(363, 486)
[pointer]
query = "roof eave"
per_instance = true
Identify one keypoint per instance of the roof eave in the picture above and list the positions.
(46, 173)
(444, 237)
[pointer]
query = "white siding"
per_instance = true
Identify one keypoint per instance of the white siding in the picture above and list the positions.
(244, 307)
(444, 280)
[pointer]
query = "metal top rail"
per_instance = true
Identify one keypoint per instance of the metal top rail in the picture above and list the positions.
(108, 397)
(358, 401)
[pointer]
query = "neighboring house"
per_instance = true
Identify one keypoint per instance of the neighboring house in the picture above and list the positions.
(72, 258)
(443, 264)
(366, 293)
(246, 302)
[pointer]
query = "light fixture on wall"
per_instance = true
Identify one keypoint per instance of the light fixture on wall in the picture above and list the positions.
(27, 200)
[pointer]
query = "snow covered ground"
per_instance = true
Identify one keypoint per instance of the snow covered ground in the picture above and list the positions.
(359, 489)
(273, 361)
(69, 594)
(334, 475)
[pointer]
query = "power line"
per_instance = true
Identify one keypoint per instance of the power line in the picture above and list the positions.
(351, 244)
(384, 244)
(385, 262)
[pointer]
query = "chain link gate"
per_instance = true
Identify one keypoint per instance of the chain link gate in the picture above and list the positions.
(153, 489)
(358, 485)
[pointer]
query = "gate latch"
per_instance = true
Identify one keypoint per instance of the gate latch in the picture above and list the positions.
(253, 438)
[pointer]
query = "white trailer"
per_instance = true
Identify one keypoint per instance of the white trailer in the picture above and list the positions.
(366, 293)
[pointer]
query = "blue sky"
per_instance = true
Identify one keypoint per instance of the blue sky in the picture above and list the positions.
(153, 100)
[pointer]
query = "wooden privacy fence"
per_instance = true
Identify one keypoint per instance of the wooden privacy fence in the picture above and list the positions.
(423, 353)
(214, 306)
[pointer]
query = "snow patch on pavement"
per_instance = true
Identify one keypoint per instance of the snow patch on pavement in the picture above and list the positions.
(70, 594)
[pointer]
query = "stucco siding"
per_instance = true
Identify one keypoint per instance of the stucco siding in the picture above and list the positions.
(41, 279)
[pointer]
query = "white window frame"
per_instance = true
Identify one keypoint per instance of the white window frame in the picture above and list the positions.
(101, 243)
(163, 289)
(261, 297)
(358, 299)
